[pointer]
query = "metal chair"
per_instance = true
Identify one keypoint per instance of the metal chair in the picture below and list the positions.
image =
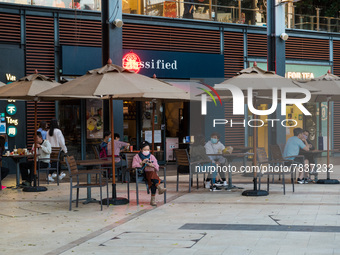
(130, 169)
(53, 165)
(264, 161)
(185, 165)
(75, 173)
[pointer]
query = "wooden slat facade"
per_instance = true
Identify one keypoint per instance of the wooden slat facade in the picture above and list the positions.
(307, 48)
(80, 32)
(233, 63)
(10, 28)
(257, 45)
(147, 37)
(40, 56)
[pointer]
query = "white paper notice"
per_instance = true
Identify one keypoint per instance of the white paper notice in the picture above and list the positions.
(157, 135)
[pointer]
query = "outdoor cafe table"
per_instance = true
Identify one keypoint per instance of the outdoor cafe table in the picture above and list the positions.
(16, 158)
(90, 163)
(230, 158)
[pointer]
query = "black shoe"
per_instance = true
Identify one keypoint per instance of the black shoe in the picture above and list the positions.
(305, 180)
(300, 181)
(214, 188)
(219, 183)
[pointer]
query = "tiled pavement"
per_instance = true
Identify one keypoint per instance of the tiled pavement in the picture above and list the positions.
(201, 222)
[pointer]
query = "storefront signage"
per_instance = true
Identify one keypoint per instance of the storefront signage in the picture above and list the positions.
(2, 123)
(131, 61)
(11, 109)
(11, 131)
(179, 65)
(299, 75)
(10, 77)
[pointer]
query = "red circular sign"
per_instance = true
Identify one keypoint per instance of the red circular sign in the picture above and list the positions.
(131, 61)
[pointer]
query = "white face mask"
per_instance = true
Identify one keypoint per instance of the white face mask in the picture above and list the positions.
(146, 153)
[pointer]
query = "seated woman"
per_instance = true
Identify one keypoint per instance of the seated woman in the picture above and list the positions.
(144, 159)
(4, 170)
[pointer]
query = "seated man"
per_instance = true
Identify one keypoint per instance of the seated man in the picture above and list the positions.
(44, 150)
(214, 146)
(292, 148)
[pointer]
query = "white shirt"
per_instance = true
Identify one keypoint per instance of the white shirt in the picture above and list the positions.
(44, 151)
(57, 139)
(215, 148)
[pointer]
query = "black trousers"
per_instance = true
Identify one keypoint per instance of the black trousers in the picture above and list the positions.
(4, 172)
(25, 166)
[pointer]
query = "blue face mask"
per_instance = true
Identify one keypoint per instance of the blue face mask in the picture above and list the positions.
(109, 140)
(213, 140)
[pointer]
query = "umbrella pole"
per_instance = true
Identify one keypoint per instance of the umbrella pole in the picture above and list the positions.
(35, 188)
(328, 180)
(153, 127)
(255, 191)
(114, 200)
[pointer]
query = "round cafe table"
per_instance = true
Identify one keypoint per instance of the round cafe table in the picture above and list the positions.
(16, 158)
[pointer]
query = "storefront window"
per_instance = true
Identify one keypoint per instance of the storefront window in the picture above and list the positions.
(130, 123)
(69, 119)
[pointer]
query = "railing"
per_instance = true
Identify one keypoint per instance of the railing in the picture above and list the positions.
(203, 10)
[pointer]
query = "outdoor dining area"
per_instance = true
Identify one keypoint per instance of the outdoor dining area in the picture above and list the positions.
(206, 162)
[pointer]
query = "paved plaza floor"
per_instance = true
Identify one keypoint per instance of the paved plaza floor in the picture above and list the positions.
(201, 222)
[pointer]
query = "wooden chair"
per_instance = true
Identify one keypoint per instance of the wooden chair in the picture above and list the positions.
(130, 169)
(264, 161)
(185, 166)
(53, 166)
(74, 177)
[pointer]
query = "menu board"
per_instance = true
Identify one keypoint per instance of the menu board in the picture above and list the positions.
(94, 119)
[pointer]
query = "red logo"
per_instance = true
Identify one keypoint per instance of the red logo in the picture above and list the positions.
(131, 61)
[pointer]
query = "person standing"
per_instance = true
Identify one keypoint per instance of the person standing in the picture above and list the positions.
(43, 129)
(56, 139)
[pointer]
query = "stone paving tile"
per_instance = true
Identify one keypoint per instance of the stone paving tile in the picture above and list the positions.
(41, 223)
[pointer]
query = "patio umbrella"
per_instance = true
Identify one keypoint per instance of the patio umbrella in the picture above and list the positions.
(27, 88)
(328, 87)
(115, 82)
(262, 83)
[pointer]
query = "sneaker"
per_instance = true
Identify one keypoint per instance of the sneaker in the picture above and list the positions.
(54, 175)
(61, 176)
(214, 188)
(50, 179)
(3, 187)
(305, 180)
(219, 183)
(300, 181)
(207, 184)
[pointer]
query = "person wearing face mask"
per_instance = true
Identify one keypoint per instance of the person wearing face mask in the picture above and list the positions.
(214, 146)
(144, 159)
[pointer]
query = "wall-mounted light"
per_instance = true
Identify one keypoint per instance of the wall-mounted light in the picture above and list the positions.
(118, 23)
(284, 36)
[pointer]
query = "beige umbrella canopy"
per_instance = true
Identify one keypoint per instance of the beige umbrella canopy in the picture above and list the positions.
(262, 83)
(112, 81)
(27, 88)
(328, 87)
(115, 82)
